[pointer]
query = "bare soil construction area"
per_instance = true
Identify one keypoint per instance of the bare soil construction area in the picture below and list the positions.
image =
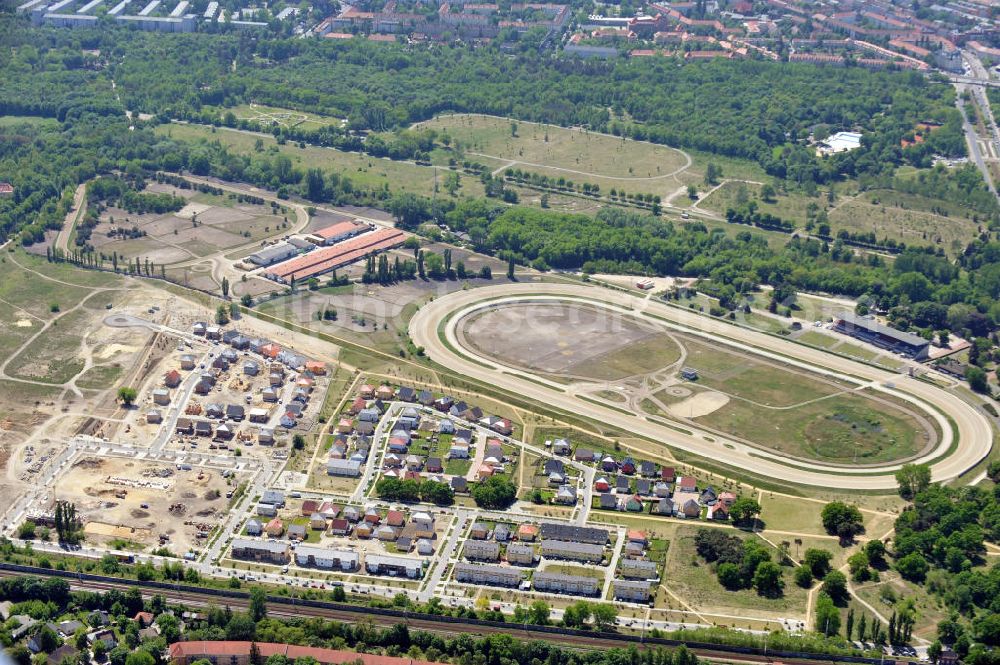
(144, 503)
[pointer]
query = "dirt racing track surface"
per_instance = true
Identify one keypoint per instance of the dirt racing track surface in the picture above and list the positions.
(442, 343)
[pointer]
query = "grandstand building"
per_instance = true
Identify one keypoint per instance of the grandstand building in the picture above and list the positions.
(882, 336)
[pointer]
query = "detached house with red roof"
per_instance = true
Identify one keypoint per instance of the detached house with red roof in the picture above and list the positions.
(172, 379)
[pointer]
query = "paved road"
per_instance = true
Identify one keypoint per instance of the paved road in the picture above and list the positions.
(62, 239)
(974, 430)
(980, 77)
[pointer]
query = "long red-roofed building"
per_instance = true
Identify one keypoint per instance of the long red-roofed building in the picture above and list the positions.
(333, 257)
(238, 653)
(339, 231)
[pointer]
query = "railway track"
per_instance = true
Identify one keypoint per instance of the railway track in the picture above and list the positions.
(289, 608)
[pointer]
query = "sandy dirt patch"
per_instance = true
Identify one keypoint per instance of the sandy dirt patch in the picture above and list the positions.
(551, 337)
(116, 531)
(192, 209)
(700, 404)
(630, 281)
(112, 350)
(181, 515)
(23, 323)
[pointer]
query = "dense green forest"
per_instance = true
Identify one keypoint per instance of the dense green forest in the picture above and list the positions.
(716, 106)
(940, 546)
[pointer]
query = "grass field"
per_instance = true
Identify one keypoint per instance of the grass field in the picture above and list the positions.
(800, 414)
(576, 155)
(730, 167)
(270, 115)
(16, 120)
(580, 571)
(642, 357)
(26, 299)
(695, 581)
(362, 170)
(891, 591)
(100, 377)
(818, 339)
(575, 438)
(548, 145)
(910, 218)
(735, 194)
(843, 428)
(813, 308)
(54, 356)
(780, 513)
(761, 382)
(905, 217)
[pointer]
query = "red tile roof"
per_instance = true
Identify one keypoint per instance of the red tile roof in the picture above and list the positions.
(335, 230)
(194, 650)
(334, 256)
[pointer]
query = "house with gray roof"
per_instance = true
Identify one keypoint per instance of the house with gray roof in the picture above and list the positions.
(566, 549)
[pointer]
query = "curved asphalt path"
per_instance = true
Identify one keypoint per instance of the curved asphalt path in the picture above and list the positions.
(974, 432)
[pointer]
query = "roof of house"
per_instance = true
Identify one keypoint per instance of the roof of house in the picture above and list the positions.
(583, 534)
(226, 649)
(264, 545)
(572, 546)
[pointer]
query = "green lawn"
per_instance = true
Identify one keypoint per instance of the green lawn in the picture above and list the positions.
(16, 120)
(457, 467)
(575, 438)
(845, 429)
(580, 156)
(695, 581)
(913, 219)
(822, 340)
(282, 117)
(790, 207)
(53, 356)
(100, 377)
(855, 351)
(910, 218)
(812, 308)
(756, 380)
(549, 145)
(362, 170)
(580, 571)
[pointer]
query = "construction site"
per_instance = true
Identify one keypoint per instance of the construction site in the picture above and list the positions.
(132, 504)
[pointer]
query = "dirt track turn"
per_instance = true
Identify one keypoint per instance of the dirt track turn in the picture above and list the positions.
(972, 428)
